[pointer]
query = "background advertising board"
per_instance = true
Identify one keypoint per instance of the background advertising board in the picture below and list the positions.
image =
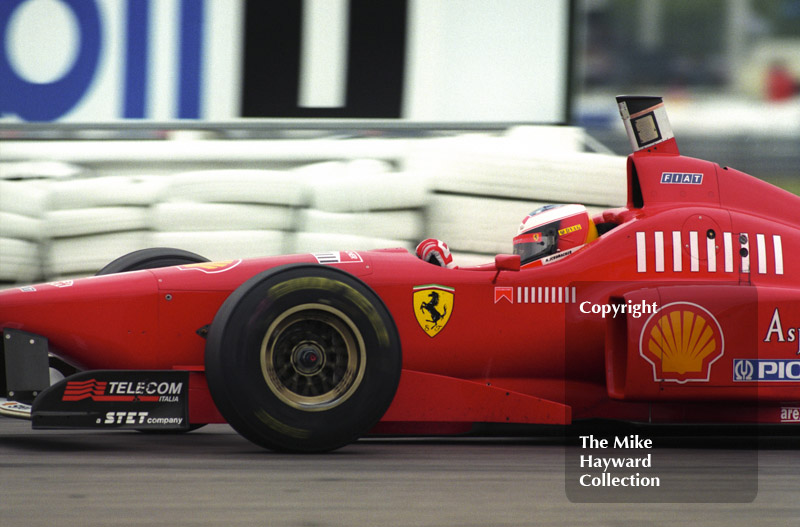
(220, 60)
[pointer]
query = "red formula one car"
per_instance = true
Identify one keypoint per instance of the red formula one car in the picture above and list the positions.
(683, 306)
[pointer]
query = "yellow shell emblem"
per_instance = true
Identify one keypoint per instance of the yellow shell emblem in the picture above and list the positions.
(208, 266)
(211, 267)
(681, 340)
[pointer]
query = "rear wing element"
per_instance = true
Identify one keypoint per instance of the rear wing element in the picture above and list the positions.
(646, 124)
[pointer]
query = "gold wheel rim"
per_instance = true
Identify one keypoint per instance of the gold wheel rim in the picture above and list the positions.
(313, 357)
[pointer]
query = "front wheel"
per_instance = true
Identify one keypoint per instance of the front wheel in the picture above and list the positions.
(303, 358)
(152, 258)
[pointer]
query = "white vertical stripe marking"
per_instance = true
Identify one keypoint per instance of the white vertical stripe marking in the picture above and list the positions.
(778, 246)
(711, 254)
(659, 252)
(762, 254)
(677, 252)
(641, 252)
(693, 252)
(323, 53)
(163, 61)
(227, 18)
(728, 240)
(547, 294)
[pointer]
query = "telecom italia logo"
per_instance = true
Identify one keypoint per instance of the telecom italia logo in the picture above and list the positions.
(682, 178)
(775, 370)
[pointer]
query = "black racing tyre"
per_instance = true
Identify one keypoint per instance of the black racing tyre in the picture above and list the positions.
(303, 358)
(150, 259)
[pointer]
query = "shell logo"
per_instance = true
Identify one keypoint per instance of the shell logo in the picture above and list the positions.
(681, 341)
(211, 267)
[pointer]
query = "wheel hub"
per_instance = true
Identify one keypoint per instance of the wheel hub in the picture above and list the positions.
(308, 358)
(312, 357)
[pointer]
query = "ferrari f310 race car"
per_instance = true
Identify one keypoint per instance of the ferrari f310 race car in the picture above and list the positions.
(685, 307)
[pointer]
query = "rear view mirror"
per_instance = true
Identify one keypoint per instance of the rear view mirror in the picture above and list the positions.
(507, 262)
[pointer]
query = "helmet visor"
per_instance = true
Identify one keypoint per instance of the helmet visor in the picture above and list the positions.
(533, 245)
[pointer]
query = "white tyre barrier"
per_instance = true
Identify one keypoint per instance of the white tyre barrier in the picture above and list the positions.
(41, 170)
(363, 185)
(18, 226)
(188, 216)
(19, 261)
(471, 191)
(391, 224)
(224, 245)
(98, 220)
(496, 167)
(23, 197)
(89, 254)
(313, 242)
(235, 186)
(105, 191)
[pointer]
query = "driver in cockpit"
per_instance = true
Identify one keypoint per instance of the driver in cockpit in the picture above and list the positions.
(547, 234)
(553, 232)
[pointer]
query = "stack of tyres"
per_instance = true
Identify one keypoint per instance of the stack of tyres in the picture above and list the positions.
(21, 208)
(91, 221)
(361, 205)
(226, 213)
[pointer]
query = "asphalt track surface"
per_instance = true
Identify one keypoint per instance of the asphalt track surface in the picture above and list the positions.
(213, 477)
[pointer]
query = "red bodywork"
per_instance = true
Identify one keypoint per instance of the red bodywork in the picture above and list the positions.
(714, 249)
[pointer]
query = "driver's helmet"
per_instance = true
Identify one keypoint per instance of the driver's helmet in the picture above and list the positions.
(552, 229)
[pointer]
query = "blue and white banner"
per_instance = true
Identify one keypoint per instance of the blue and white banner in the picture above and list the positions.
(219, 60)
(766, 370)
(101, 60)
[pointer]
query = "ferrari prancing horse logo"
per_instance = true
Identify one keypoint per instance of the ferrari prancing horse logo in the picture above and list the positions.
(433, 305)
